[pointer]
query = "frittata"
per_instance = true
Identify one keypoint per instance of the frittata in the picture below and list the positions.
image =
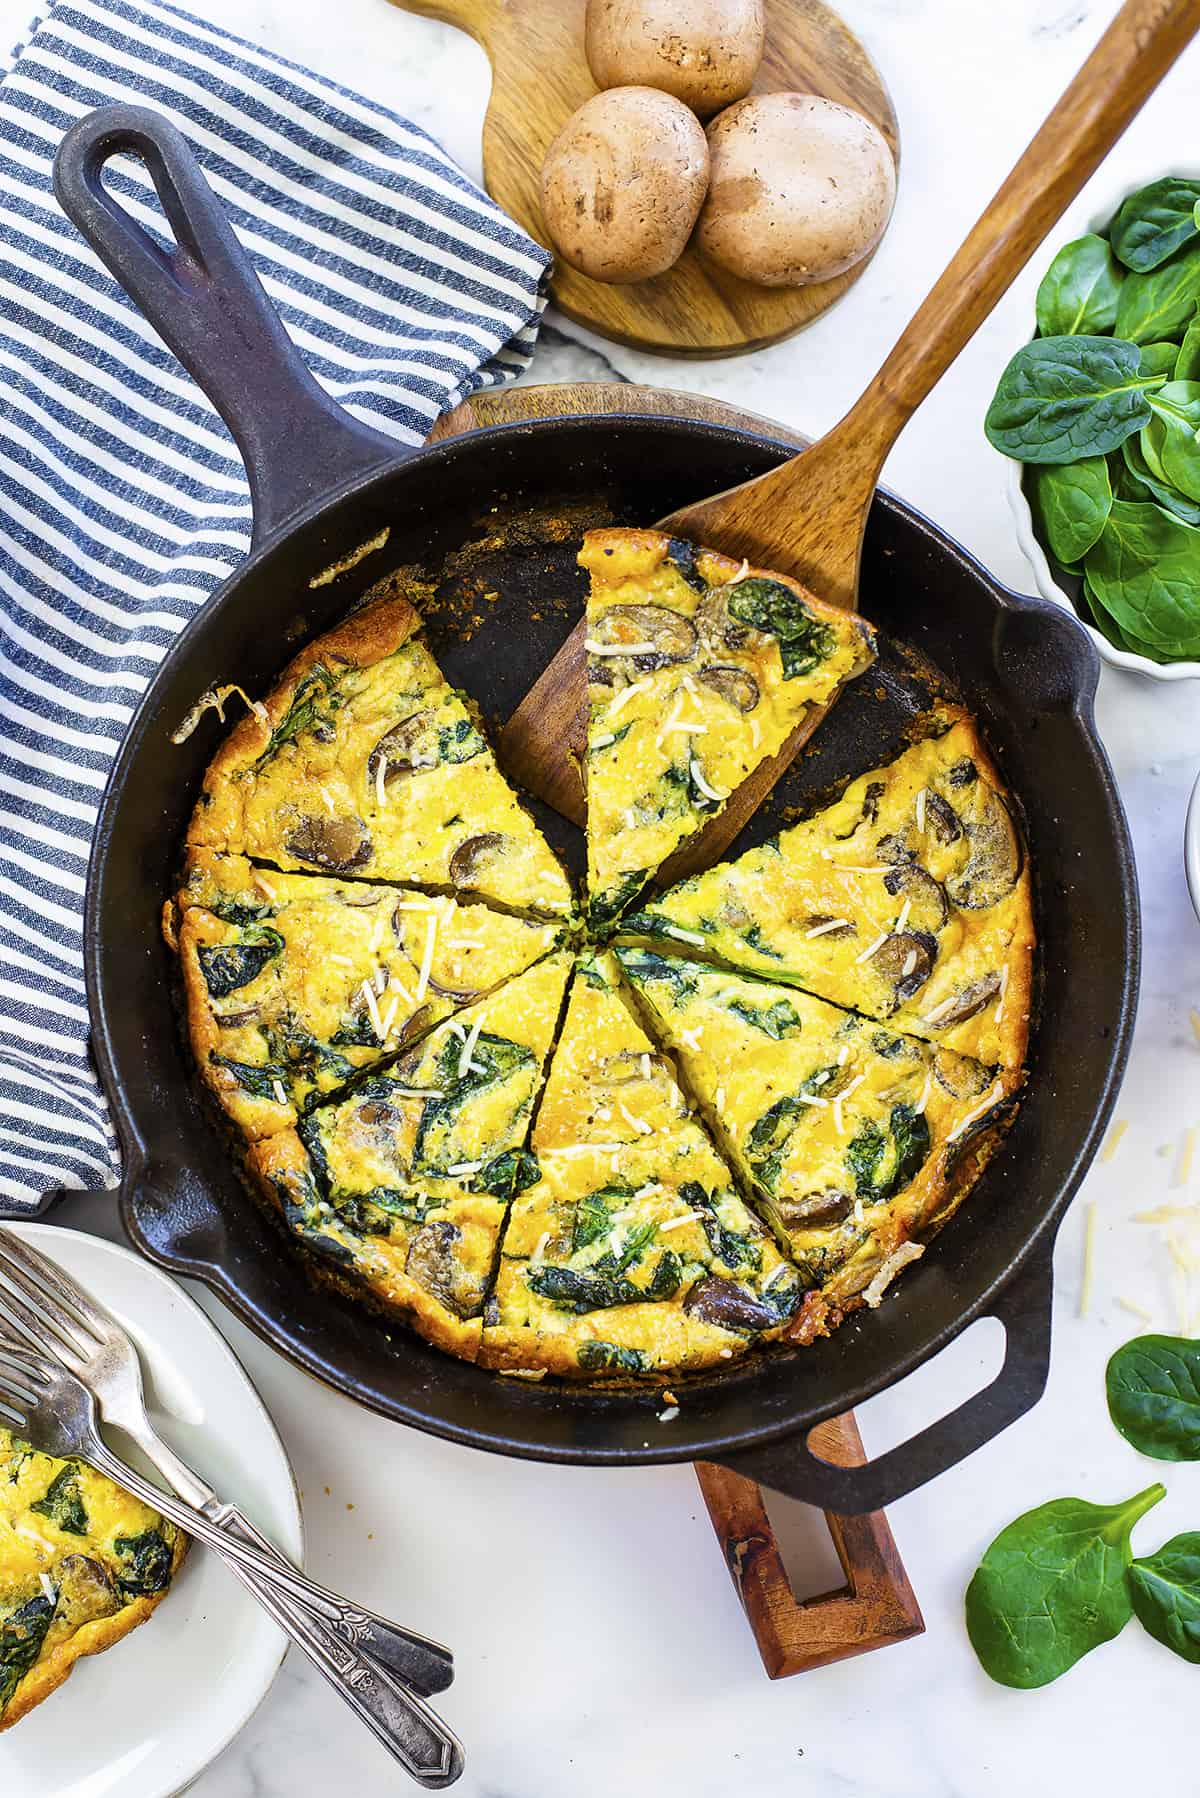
(402, 1185)
(848, 1135)
(698, 670)
(295, 982)
(363, 761)
(909, 900)
(81, 1564)
(633, 1252)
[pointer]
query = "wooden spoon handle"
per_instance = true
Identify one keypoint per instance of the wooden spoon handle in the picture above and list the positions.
(1127, 64)
(807, 517)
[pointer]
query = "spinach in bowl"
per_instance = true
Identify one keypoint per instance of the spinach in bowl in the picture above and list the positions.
(1103, 409)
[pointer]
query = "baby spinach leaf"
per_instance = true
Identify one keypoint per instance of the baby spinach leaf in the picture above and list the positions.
(62, 1502)
(1071, 502)
(228, 966)
(1145, 571)
(21, 1636)
(514, 1171)
(882, 1161)
(1187, 360)
(1160, 303)
(145, 1563)
(778, 1020)
(1061, 398)
(1052, 1587)
(1078, 294)
(1153, 1388)
(1146, 485)
(1158, 359)
(1155, 222)
(260, 1082)
(1165, 1592)
(609, 1357)
(804, 642)
(1171, 441)
(311, 709)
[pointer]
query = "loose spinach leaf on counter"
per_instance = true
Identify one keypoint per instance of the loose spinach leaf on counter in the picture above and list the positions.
(1078, 294)
(1052, 1587)
(1153, 1388)
(1155, 222)
(1073, 501)
(1161, 302)
(1061, 398)
(1165, 1592)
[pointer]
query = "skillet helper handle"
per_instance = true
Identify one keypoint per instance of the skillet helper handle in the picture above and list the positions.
(794, 1467)
(204, 299)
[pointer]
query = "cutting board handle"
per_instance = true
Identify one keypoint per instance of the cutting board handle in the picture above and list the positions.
(205, 301)
(797, 1469)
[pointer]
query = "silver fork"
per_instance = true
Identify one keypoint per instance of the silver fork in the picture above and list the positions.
(43, 1402)
(42, 1303)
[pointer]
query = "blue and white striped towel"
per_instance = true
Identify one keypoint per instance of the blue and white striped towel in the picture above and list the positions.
(122, 497)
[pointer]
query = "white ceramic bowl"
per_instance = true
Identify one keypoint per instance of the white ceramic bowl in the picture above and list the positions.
(1191, 848)
(145, 1719)
(1043, 575)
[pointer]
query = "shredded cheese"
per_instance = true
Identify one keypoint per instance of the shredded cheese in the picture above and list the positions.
(540, 1246)
(1135, 1310)
(1194, 1015)
(380, 779)
(908, 1251)
(389, 1018)
(618, 649)
(923, 1101)
(1089, 1257)
(372, 1005)
(829, 924)
(840, 1100)
(669, 1415)
(868, 952)
(985, 1104)
(465, 1167)
(902, 920)
(431, 930)
(327, 796)
(710, 792)
(719, 1098)
(677, 1223)
(464, 1060)
(684, 936)
(921, 811)
(626, 694)
(1163, 1214)
(1183, 1172)
(910, 962)
(603, 741)
(635, 1123)
(1114, 1139)
(1001, 993)
(278, 1088)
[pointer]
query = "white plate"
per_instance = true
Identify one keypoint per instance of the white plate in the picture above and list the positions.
(144, 1719)
(1043, 574)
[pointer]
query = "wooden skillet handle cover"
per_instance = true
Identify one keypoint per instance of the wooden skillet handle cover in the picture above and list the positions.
(808, 516)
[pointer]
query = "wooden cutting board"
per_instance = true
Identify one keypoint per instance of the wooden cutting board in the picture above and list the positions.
(540, 76)
(877, 1605)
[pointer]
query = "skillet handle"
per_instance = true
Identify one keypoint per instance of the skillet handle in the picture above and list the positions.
(204, 299)
(791, 1466)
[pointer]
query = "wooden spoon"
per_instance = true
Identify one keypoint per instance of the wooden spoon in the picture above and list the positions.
(807, 517)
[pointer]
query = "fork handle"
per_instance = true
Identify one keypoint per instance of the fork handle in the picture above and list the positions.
(421, 1663)
(406, 1726)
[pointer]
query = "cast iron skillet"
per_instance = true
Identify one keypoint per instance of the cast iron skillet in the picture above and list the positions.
(322, 484)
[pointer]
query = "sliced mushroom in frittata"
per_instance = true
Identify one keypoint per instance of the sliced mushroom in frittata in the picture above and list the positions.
(633, 1253)
(403, 1184)
(81, 1564)
(364, 762)
(909, 900)
(698, 670)
(847, 1135)
(295, 982)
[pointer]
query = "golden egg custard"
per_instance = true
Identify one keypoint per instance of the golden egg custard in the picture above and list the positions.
(909, 900)
(296, 982)
(698, 670)
(81, 1564)
(402, 1185)
(633, 1252)
(363, 761)
(853, 1140)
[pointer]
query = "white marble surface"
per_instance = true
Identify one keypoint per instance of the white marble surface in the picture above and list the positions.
(600, 1647)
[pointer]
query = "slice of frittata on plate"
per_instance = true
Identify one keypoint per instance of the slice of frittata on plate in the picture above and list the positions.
(363, 761)
(633, 1253)
(402, 1185)
(295, 982)
(909, 900)
(851, 1139)
(698, 670)
(81, 1564)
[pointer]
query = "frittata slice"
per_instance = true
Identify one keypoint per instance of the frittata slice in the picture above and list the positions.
(633, 1253)
(852, 1140)
(81, 1564)
(402, 1186)
(909, 900)
(295, 982)
(698, 670)
(363, 761)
